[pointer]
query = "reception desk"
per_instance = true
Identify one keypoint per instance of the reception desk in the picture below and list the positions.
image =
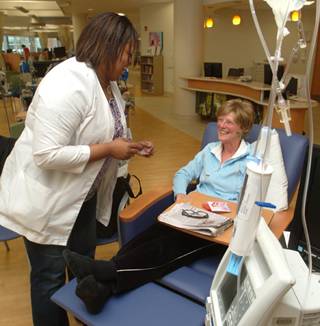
(252, 91)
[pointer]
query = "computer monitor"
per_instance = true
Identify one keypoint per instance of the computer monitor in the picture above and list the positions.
(292, 88)
(268, 73)
(298, 84)
(213, 69)
(60, 52)
(270, 290)
(40, 68)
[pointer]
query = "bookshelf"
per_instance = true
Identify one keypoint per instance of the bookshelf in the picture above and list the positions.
(152, 74)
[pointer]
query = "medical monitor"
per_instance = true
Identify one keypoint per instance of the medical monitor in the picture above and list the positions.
(271, 288)
(213, 69)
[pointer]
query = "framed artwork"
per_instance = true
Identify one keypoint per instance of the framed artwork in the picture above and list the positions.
(156, 42)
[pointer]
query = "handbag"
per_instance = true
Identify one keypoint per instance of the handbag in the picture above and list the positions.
(122, 187)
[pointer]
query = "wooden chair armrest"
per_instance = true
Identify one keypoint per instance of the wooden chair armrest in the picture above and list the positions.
(139, 205)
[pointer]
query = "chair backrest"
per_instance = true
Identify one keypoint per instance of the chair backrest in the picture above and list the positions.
(293, 151)
(6, 145)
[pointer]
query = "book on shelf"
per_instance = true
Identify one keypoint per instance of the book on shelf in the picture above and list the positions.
(189, 217)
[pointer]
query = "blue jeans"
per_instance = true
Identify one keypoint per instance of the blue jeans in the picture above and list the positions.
(48, 268)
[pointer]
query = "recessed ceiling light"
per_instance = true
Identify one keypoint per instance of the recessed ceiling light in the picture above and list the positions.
(90, 9)
(121, 14)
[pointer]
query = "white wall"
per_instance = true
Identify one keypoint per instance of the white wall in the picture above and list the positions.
(234, 46)
(159, 18)
(239, 46)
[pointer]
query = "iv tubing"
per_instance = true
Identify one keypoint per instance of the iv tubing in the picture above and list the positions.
(310, 122)
(293, 52)
(274, 67)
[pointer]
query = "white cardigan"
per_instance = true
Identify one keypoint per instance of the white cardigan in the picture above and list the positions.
(47, 175)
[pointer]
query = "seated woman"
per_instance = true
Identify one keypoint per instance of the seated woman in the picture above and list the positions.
(220, 168)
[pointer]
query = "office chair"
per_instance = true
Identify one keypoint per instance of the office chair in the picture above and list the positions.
(6, 145)
(6, 235)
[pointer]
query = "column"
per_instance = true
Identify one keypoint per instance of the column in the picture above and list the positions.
(1, 28)
(188, 51)
(78, 22)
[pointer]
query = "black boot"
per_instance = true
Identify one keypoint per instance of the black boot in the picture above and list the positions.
(82, 266)
(93, 293)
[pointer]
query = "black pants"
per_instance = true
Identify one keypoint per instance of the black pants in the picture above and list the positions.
(156, 252)
(48, 267)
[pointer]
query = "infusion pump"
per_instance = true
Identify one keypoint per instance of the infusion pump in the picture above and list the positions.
(274, 288)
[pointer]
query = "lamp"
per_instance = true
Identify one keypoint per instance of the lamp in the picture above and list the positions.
(236, 20)
(209, 22)
(295, 15)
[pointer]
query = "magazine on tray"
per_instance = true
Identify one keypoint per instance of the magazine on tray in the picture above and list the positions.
(187, 216)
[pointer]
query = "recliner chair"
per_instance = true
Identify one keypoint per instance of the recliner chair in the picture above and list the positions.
(179, 297)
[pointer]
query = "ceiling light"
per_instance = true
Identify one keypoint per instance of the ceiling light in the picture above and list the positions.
(236, 20)
(121, 14)
(295, 15)
(209, 22)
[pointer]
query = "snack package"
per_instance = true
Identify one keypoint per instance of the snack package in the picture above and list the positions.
(217, 206)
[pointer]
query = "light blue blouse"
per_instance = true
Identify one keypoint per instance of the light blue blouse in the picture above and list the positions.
(215, 179)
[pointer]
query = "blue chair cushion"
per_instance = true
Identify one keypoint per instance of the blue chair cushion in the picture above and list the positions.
(103, 241)
(193, 281)
(149, 304)
(6, 234)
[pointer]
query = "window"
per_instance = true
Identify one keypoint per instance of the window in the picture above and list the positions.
(14, 42)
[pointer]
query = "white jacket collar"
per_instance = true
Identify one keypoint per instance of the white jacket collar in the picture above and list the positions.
(242, 149)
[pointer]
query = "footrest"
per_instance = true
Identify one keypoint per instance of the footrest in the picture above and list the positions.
(150, 304)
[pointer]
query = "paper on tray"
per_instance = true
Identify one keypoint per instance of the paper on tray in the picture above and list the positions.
(213, 225)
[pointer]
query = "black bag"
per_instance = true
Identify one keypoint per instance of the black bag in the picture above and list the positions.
(122, 186)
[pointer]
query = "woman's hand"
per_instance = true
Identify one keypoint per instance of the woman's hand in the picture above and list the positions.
(148, 148)
(123, 149)
(120, 148)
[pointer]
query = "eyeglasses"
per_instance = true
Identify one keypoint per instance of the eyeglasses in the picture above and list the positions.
(194, 213)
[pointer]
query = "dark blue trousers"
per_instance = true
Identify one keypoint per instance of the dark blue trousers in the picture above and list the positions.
(48, 268)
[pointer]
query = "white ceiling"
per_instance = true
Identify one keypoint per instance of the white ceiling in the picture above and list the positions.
(82, 6)
(35, 13)
(39, 8)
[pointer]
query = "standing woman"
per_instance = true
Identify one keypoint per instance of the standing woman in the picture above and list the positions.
(61, 173)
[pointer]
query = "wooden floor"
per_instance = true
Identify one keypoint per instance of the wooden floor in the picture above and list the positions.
(173, 149)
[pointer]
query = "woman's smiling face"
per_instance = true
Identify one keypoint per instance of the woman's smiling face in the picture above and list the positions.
(228, 130)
